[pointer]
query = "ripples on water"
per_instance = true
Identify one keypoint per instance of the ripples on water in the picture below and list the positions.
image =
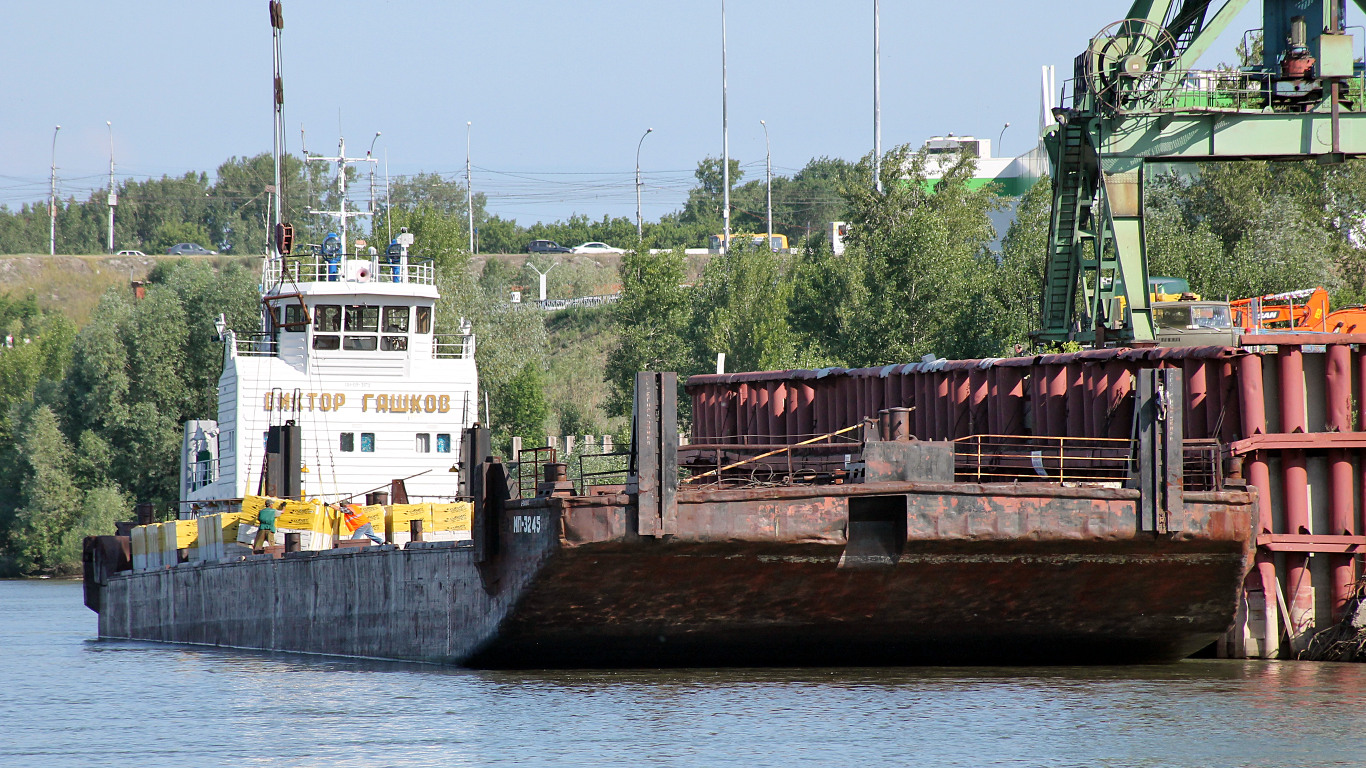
(71, 700)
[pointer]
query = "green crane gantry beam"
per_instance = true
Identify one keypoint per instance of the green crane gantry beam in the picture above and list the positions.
(1135, 100)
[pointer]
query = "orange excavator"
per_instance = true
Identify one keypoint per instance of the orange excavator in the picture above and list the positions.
(1303, 310)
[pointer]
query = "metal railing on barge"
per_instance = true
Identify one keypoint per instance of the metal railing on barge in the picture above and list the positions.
(836, 458)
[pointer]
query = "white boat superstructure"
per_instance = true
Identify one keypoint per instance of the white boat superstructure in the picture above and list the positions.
(348, 351)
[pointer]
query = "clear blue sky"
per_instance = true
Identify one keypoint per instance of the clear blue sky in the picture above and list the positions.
(558, 92)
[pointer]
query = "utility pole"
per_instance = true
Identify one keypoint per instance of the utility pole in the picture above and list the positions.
(725, 143)
(768, 181)
(52, 200)
(368, 153)
(640, 231)
(469, 190)
(877, 96)
(113, 196)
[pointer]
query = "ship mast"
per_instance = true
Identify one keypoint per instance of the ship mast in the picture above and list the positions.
(341, 214)
(277, 25)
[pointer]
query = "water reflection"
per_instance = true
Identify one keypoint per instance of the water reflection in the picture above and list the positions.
(73, 700)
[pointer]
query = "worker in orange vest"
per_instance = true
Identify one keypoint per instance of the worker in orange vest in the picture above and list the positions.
(358, 524)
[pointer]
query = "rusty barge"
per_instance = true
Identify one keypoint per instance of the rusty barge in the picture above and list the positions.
(828, 527)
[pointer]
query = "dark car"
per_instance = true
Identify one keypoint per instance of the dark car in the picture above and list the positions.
(189, 249)
(546, 246)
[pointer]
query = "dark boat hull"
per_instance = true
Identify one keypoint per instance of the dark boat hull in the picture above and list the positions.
(941, 573)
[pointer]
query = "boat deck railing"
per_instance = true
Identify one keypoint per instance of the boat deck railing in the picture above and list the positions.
(452, 346)
(530, 469)
(350, 268)
(256, 345)
(201, 473)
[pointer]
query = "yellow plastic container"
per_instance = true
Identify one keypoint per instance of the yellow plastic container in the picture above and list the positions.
(452, 517)
(397, 521)
(138, 543)
(186, 533)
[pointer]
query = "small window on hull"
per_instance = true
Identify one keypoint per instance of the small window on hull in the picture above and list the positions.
(394, 343)
(424, 442)
(367, 442)
(443, 443)
(424, 320)
(348, 442)
(327, 342)
(359, 343)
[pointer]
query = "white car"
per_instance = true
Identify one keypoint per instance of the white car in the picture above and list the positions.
(596, 248)
(130, 253)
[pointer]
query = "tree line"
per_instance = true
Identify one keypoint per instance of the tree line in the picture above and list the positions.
(230, 212)
(90, 418)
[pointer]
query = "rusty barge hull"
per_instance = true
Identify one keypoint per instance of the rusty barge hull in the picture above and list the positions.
(890, 573)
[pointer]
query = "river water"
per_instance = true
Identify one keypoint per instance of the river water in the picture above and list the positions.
(67, 699)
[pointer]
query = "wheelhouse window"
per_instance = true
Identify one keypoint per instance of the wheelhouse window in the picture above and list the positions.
(424, 442)
(396, 319)
(359, 343)
(362, 319)
(348, 442)
(443, 443)
(367, 442)
(327, 319)
(394, 343)
(327, 342)
(424, 320)
(294, 318)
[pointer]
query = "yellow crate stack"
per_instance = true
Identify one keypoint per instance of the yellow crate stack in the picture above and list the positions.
(397, 522)
(451, 522)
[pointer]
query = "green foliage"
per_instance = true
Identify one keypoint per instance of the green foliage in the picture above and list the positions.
(92, 420)
(511, 338)
(579, 342)
(169, 233)
(100, 508)
(48, 500)
(1251, 228)
(438, 236)
(1005, 300)
(913, 256)
(652, 317)
(521, 408)
(740, 307)
(228, 214)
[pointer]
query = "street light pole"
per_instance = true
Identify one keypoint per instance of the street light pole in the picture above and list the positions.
(640, 231)
(368, 153)
(113, 196)
(768, 175)
(52, 200)
(725, 143)
(877, 96)
(1000, 136)
(469, 190)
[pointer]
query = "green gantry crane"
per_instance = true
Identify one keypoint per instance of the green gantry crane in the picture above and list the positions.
(1135, 100)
